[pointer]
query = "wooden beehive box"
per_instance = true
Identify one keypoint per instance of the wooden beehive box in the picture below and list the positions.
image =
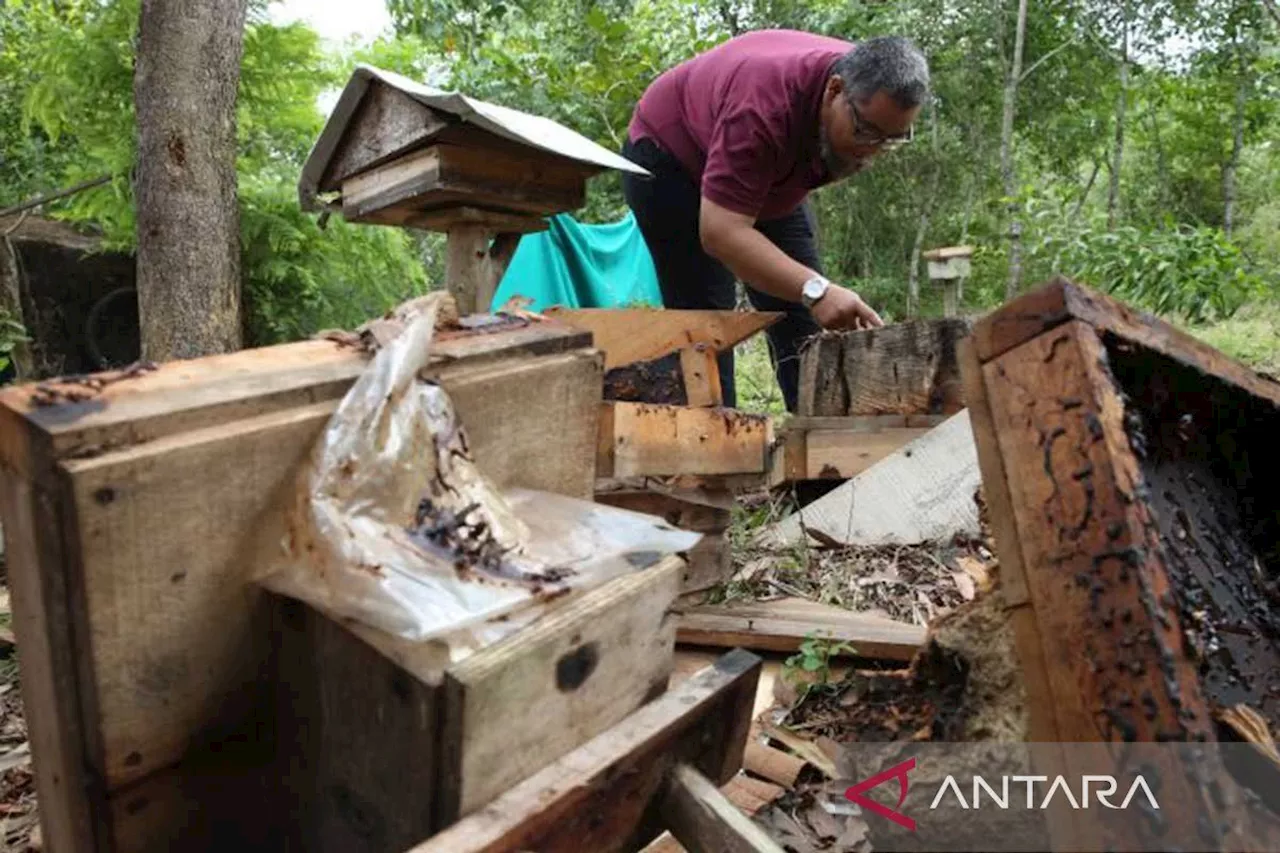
(129, 501)
(1131, 492)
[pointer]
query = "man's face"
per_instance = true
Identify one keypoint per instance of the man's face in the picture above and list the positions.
(851, 134)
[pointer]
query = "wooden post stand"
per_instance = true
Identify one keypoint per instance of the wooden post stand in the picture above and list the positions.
(947, 268)
(1126, 471)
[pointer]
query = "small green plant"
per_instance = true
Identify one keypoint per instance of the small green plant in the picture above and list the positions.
(809, 669)
(12, 333)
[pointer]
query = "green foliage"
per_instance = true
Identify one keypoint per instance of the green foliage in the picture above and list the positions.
(302, 280)
(77, 100)
(12, 333)
(66, 114)
(809, 669)
(1195, 274)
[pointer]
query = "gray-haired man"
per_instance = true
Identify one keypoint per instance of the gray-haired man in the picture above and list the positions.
(736, 138)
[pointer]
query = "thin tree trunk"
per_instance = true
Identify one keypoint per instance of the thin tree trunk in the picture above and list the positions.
(922, 226)
(1084, 194)
(1013, 211)
(1122, 100)
(188, 262)
(1162, 160)
(1237, 145)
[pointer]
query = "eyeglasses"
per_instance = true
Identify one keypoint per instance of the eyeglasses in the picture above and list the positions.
(865, 133)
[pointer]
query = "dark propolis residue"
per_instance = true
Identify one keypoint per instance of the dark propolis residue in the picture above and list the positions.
(657, 381)
(465, 538)
(1205, 448)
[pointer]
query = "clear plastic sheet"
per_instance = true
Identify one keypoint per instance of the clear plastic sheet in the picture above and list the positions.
(392, 525)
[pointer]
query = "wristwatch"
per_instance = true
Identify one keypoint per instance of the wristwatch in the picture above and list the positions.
(813, 290)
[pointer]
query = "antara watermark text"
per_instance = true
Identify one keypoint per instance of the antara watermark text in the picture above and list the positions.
(1101, 788)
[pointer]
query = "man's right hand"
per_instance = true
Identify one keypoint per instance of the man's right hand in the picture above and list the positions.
(841, 309)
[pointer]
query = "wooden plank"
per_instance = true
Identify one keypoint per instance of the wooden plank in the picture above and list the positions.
(922, 492)
(905, 368)
(1061, 300)
(782, 625)
(359, 737)
(629, 335)
(686, 515)
(168, 644)
(495, 222)
(583, 668)
(445, 175)
(751, 796)
(386, 124)
(701, 375)
(862, 423)
(598, 797)
(32, 519)
(703, 820)
(644, 439)
(840, 455)
(128, 407)
(995, 484)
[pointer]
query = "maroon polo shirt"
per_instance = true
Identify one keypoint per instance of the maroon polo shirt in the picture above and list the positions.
(743, 118)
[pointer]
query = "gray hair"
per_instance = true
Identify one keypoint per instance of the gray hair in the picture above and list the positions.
(887, 63)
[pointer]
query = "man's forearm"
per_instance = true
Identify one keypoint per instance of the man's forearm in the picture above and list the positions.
(754, 259)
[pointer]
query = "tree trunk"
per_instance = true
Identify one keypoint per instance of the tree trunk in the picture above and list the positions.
(1122, 99)
(922, 227)
(185, 80)
(1088, 186)
(1237, 145)
(1006, 156)
(1162, 160)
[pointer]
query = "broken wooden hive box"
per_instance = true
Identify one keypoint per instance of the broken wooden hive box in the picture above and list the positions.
(865, 394)
(663, 419)
(396, 152)
(1133, 503)
(173, 704)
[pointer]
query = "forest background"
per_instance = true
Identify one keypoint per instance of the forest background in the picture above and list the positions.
(1133, 145)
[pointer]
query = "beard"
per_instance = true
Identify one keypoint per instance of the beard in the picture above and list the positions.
(837, 168)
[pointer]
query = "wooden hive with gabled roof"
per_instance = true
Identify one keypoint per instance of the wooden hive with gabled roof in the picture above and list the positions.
(396, 152)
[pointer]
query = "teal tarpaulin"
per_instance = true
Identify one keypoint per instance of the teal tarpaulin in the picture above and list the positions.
(582, 266)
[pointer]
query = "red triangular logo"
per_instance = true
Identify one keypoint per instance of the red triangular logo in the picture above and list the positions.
(898, 771)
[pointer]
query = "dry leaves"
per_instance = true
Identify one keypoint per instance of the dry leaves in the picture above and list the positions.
(913, 584)
(816, 819)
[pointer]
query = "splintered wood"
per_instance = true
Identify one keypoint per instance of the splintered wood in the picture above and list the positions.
(631, 335)
(1137, 535)
(903, 369)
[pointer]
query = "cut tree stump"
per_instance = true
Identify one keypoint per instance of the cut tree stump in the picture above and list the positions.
(1133, 503)
(904, 369)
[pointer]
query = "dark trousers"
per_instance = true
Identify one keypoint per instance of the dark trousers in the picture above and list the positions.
(666, 209)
